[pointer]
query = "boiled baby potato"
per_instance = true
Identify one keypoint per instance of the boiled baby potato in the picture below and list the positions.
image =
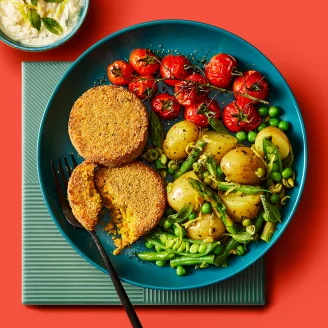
(218, 144)
(177, 139)
(182, 193)
(240, 165)
(241, 207)
(208, 226)
(279, 139)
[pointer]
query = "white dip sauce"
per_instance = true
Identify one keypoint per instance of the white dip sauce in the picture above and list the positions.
(17, 27)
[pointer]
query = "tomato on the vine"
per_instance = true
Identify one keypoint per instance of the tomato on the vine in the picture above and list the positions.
(144, 62)
(238, 116)
(143, 87)
(220, 69)
(175, 66)
(253, 84)
(200, 112)
(166, 106)
(191, 90)
(119, 72)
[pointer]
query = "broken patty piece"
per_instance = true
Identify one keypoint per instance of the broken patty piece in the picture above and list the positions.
(136, 197)
(83, 197)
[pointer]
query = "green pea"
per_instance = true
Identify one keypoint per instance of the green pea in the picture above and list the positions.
(180, 270)
(287, 173)
(202, 248)
(246, 222)
(207, 181)
(167, 224)
(169, 211)
(275, 167)
(177, 232)
(274, 199)
(273, 121)
(263, 111)
(274, 111)
(193, 248)
(251, 135)
(262, 126)
(149, 244)
(192, 216)
(160, 263)
(206, 174)
(276, 176)
(241, 136)
(172, 172)
(240, 250)
(218, 249)
(206, 208)
(283, 125)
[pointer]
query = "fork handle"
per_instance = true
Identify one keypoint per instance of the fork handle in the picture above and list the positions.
(117, 283)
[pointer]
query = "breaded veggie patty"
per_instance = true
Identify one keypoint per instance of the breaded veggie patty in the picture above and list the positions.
(108, 125)
(136, 197)
(83, 197)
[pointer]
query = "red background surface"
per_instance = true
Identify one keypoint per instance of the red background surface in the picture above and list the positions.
(293, 36)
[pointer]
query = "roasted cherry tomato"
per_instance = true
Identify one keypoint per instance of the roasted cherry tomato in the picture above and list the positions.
(220, 69)
(166, 106)
(143, 87)
(191, 90)
(144, 62)
(239, 116)
(253, 84)
(199, 112)
(175, 66)
(119, 72)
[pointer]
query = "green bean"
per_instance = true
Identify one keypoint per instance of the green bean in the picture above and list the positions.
(245, 189)
(229, 246)
(240, 250)
(268, 231)
(191, 159)
(156, 130)
(185, 260)
(149, 244)
(156, 256)
(259, 221)
(215, 201)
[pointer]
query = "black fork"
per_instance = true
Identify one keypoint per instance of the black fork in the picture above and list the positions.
(61, 194)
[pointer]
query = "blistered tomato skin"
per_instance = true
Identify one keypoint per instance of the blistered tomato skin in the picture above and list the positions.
(166, 106)
(175, 67)
(219, 70)
(191, 112)
(238, 116)
(120, 72)
(191, 90)
(143, 87)
(253, 84)
(144, 62)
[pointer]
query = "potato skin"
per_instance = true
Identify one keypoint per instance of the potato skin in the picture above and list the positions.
(240, 165)
(208, 226)
(177, 139)
(279, 139)
(240, 207)
(218, 144)
(182, 192)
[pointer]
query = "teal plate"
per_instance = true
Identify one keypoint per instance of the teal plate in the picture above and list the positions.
(90, 69)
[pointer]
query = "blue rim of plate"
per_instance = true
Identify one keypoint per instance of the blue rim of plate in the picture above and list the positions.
(195, 23)
(20, 46)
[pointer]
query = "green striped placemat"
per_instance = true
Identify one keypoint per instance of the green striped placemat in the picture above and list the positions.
(53, 273)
